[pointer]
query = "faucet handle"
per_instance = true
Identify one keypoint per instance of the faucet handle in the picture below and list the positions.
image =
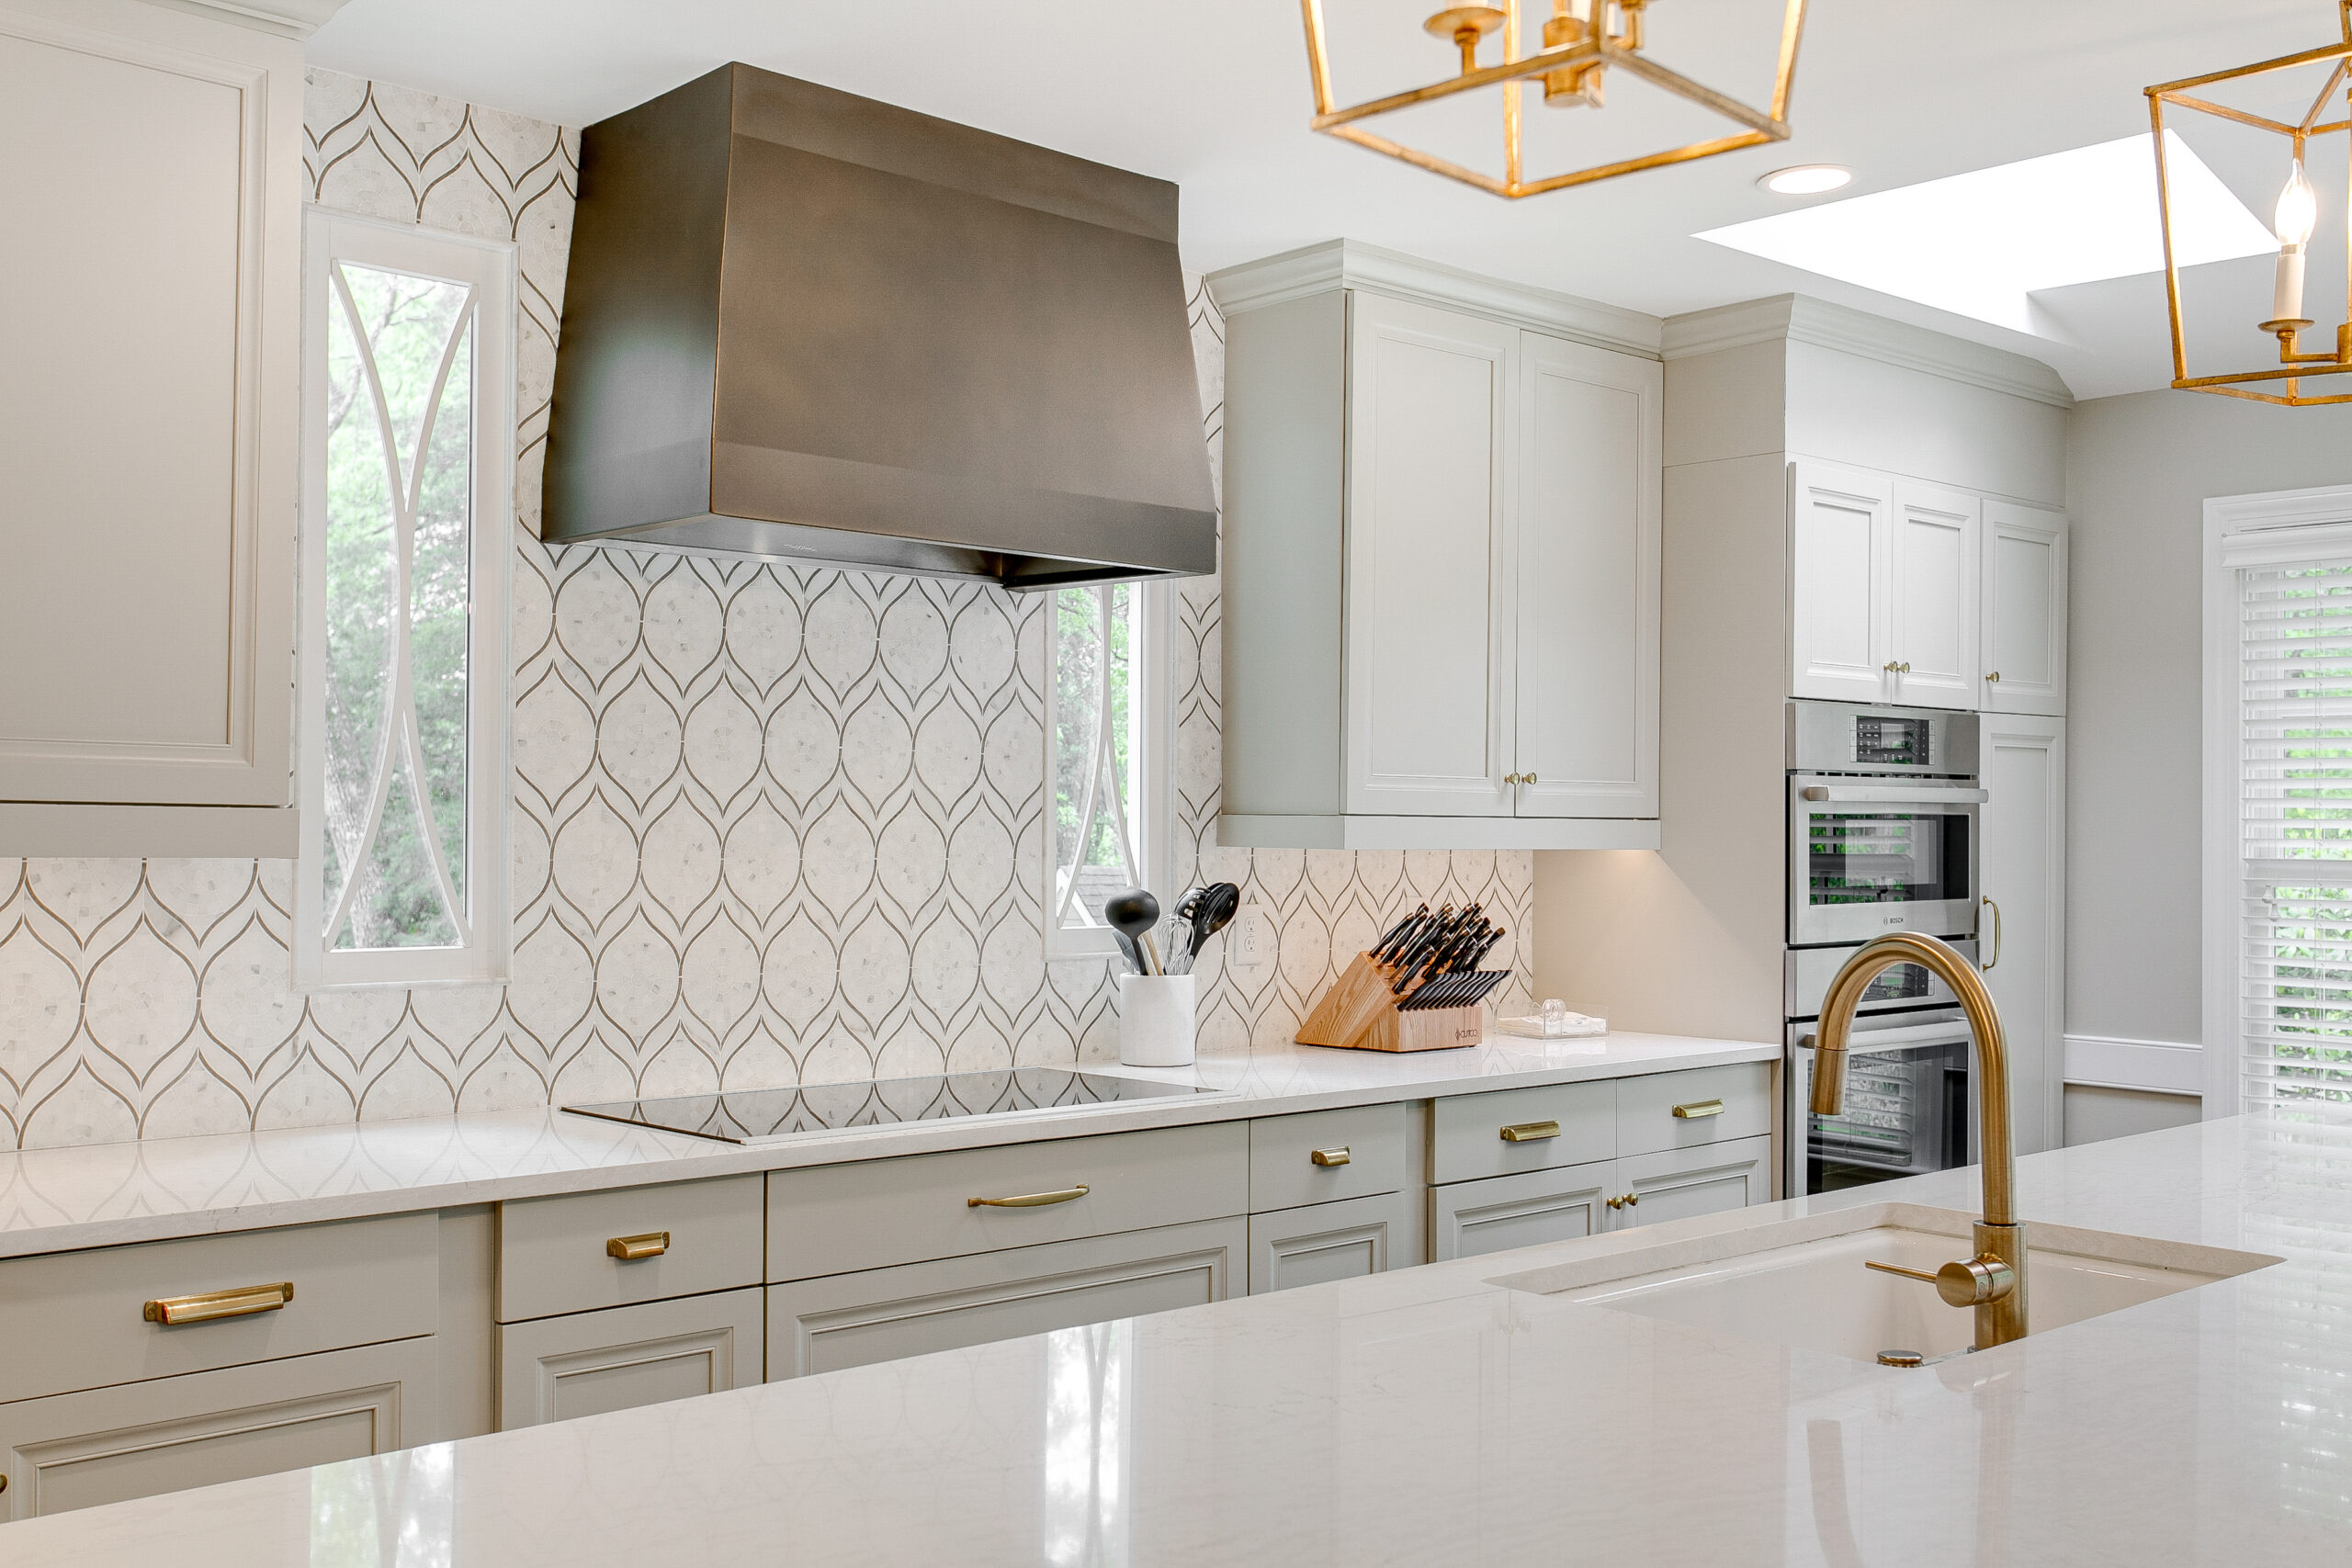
(1976, 1282)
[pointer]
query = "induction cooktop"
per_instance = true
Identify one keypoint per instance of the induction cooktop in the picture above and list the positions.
(752, 1116)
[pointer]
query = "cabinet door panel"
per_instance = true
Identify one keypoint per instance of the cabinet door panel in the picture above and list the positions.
(1587, 544)
(1346, 1240)
(1933, 609)
(1471, 1218)
(849, 1320)
(146, 546)
(2025, 610)
(1840, 528)
(559, 1368)
(1681, 1183)
(1429, 608)
(77, 1451)
(2023, 945)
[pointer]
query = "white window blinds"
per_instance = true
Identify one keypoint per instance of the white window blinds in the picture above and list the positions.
(2295, 814)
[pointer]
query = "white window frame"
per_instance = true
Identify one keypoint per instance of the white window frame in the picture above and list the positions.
(1154, 770)
(2274, 527)
(490, 267)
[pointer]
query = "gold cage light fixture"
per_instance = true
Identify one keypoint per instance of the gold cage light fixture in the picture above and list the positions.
(1583, 40)
(2294, 220)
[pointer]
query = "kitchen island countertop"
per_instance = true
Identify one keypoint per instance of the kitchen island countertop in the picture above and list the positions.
(1428, 1416)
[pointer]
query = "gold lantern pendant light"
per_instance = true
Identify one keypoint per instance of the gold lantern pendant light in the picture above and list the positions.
(2294, 219)
(1583, 40)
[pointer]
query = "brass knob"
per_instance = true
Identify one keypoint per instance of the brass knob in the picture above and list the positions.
(1993, 676)
(1888, 667)
(1633, 1199)
(1528, 779)
(1616, 1202)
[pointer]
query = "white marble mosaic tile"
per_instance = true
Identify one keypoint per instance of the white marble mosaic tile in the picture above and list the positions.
(768, 825)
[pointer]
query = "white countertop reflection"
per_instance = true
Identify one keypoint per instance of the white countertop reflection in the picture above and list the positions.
(1426, 1418)
(105, 1194)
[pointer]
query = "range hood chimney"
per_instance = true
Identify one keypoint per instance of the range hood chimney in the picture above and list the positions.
(812, 327)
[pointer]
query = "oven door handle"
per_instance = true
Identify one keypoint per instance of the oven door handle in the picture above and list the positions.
(1893, 795)
(1867, 1041)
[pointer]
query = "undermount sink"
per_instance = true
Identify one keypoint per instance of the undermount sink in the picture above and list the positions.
(1800, 1282)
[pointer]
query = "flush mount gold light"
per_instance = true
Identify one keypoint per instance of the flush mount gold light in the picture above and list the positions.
(1582, 40)
(2296, 216)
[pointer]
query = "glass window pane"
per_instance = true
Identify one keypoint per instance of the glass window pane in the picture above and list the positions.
(397, 606)
(1098, 841)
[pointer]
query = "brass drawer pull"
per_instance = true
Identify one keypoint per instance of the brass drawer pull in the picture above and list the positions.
(1330, 1156)
(241, 1303)
(1530, 1132)
(1027, 1199)
(629, 1248)
(1699, 1107)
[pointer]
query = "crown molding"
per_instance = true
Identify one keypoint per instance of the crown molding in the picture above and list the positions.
(297, 19)
(1351, 264)
(1799, 318)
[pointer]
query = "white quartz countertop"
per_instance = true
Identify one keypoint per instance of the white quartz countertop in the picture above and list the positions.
(1429, 1417)
(105, 1194)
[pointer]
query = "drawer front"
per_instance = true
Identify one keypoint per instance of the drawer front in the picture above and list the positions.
(1468, 1129)
(877, 1214)
(559, 1368)
(1676, 1184)
(1471, 1218)
(1347, 1240)
(1325, 1156)
(555, 1255)
(356, 1283)
(1647, 1119)
(849, 1320)
(108, 1444)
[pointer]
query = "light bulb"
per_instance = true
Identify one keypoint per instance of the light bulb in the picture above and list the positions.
(2297, 212)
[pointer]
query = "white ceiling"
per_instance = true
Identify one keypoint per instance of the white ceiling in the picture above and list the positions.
(1213, 93)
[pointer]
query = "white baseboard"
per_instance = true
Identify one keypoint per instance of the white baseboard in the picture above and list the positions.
(2159, 1067)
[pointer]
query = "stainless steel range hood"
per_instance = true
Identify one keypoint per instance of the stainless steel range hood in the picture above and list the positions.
(813, 327)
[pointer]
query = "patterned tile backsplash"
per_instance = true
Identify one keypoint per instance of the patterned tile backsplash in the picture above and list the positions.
(769, 825)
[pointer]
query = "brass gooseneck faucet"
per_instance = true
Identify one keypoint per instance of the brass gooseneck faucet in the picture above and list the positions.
(1994, 1281)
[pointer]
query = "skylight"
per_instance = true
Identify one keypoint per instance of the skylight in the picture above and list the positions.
(1979, 244)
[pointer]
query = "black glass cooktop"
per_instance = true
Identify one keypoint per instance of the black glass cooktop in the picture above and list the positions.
(749, 1116)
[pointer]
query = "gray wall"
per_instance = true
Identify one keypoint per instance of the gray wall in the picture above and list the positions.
(2095, 1112)
(2139, 470)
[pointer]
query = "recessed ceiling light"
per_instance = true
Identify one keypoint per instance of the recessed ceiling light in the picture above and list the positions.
(1806, 179)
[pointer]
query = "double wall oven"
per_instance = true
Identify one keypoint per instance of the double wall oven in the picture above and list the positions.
(1883, 806)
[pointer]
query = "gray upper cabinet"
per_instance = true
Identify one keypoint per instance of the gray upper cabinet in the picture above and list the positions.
(1441, 575)
(148, 428)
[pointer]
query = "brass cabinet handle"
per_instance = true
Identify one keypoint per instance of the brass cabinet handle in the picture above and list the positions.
(1617, 1203)
(244, 1302)
(1992, 676)
(1027, 1199)
(1997, 935)
(1699, 1107)
(1330, 1156)
(629, 1248)
(1632, 1199)
(1530, 1132)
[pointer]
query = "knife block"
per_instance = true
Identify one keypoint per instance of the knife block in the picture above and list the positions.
(1359, 1013)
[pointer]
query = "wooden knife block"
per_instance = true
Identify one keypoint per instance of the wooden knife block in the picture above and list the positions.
(1359, 1013)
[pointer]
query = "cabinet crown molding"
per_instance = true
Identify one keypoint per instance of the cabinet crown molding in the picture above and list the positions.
(1799, 318)
(297, 19)
(1351, 264)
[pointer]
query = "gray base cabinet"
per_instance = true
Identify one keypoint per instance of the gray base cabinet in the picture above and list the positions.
(1471, 1218)
(556, 1368)
(878, 1315)
(107, 1445)
(1323, 1241)
(1679, 1184)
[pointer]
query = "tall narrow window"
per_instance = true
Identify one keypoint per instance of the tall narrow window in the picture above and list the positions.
(2279, 854)
(408, 448)
(1107, 758)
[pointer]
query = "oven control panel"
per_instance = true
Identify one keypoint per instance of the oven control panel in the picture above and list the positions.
(1848, 738)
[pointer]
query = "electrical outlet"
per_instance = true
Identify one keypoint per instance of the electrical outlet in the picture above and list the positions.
(1252, 939)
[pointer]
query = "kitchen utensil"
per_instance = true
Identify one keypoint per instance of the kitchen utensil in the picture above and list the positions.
(1134, 913)
(1213, 908)
(1130, 952)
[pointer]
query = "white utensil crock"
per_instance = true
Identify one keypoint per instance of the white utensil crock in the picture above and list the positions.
(1156, 1021)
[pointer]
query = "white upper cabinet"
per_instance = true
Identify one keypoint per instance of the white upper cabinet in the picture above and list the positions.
(1931, 599)
(1588, 533)
(148, 430)
(1441, 569)
(2024, 648)
(1429, 609)
(1840, 539)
